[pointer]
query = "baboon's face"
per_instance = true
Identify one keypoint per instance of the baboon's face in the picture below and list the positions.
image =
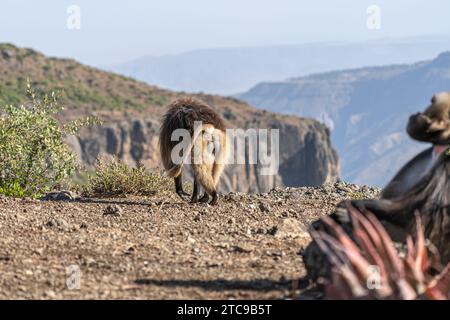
(432, 125)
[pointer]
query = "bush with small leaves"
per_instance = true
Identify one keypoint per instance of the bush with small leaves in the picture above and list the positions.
(33, 155)
(113, 177)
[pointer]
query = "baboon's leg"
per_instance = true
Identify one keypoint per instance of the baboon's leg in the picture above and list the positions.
(216, 172)
(214, 198)
(205, 198)
(194, 198)
(179, 187)
(203, 172)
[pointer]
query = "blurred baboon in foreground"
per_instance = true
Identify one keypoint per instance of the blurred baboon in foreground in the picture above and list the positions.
(207, 147)
(422, 186)
(369, 267)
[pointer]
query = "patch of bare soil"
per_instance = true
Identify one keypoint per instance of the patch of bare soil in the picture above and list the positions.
(246, 247)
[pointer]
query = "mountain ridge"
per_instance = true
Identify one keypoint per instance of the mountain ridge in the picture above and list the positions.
(237, 69)
(366, 109)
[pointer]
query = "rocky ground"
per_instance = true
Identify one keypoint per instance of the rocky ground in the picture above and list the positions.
(157, 248)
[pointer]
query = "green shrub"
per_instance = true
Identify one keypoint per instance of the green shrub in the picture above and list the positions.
(112, 177)
(229, 114)
(33, 155)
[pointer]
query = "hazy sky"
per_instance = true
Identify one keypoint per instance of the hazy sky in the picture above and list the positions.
(116, 31)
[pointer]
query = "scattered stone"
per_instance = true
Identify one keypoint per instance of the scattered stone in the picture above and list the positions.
(50, 294)
(264, 207)
(5, 258)
(272, 231)
(277, 254)
(60, 196)
(130, 250)
(113, 209)
(191, 240)
(58, 223)
(243, 247)
(39, 251)
(261, 231)
(290, 228)
(106, 224)
(83, 225)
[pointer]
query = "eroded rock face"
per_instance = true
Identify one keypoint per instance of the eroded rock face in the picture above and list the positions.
(305, 152)
(133, 141)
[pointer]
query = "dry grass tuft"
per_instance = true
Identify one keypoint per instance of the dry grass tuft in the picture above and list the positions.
(112, 177)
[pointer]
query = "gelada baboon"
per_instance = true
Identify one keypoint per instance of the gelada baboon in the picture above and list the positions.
(207, 148)
(422, 186)
(432, 125)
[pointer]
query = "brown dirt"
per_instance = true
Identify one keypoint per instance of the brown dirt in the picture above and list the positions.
(159, 248)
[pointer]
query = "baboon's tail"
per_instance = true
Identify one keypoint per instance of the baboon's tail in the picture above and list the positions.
(221, 157)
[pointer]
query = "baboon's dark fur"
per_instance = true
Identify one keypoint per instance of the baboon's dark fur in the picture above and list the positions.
(182, 114)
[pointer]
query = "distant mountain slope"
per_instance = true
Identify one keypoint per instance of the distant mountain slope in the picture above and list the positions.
(233, 70)
(132, 110)
(366, 109)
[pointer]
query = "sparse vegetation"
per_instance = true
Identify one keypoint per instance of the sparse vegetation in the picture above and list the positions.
(33, 155)
(229, 114)
(113, 177)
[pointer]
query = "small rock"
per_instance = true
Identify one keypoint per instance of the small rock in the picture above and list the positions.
(50, 294)
(272, 231)
(290, 228)
(243, 247)
(130, 250)
(191, 240)
(60, 196)
(277, 254)
(264, 207)
(39, 251)
(5, 258)
(113, 209)
(261, 231)
(213, 264)
(58, 223)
